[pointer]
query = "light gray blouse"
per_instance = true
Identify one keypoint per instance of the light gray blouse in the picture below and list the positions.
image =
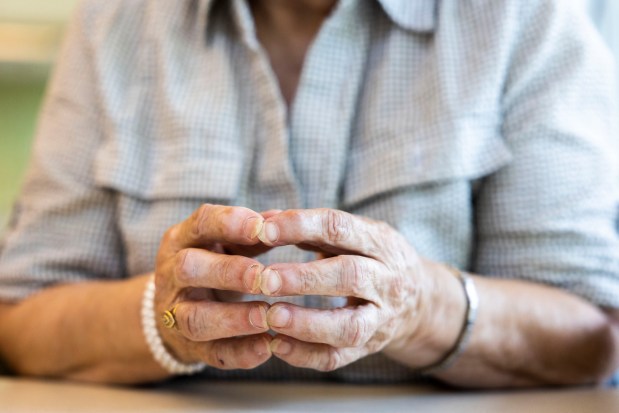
(484, 131)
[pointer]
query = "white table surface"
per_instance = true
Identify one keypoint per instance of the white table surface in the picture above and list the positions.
(25, 395)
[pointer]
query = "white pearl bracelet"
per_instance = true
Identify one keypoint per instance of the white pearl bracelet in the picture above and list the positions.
(155, 344)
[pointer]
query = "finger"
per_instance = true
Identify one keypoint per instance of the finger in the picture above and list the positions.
(319, 250)
(322, 357)
(339, 327)
(238, 352)
(330, 230)
(206, 321)
(252, 250)
(271, 212)
(205, 269)
(339, 276)
(210, 224)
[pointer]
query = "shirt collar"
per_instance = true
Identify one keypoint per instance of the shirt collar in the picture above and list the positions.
(414, 15)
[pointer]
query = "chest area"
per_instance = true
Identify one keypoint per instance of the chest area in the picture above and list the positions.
(382, 126)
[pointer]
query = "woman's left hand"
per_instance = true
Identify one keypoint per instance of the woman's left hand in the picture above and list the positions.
(368, 262)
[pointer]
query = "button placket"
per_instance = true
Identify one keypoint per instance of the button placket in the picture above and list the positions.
(323, 115)
(274, 173)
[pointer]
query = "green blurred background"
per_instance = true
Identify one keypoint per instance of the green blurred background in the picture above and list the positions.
(30, 34)
(19, 104)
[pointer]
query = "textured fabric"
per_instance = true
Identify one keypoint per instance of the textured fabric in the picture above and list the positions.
(605, 15)
(482, 130)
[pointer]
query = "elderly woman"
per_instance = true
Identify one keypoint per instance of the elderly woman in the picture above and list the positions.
(320, 189)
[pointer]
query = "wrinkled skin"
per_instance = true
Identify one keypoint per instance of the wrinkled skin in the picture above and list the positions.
(364, 260)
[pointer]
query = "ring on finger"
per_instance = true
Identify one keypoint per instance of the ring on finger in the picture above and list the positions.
(169, 318)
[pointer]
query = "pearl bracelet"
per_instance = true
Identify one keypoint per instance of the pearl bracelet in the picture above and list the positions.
(155, 344)
(472, 302)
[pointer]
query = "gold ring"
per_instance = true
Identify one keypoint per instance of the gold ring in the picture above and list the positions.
(168, 318)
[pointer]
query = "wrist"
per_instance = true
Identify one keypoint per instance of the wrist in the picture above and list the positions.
(441, 312)
(472, 302)
(153, 339)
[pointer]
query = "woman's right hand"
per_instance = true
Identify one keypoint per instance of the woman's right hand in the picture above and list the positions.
(192, 263)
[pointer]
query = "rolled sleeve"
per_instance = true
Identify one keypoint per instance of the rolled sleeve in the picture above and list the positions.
(63, 226)
(549, 216)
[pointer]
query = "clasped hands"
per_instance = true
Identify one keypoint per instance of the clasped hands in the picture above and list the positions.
(364, 260)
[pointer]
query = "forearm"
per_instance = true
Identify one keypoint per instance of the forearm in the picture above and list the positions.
(88, 331)
(525, 334)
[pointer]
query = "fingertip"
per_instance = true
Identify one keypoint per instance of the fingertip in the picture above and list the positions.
(279, 316)
(269, 233)
(262, 346)
(252, 227)
(258, 317)
(280, 347)
(270, 282)
(252, 278)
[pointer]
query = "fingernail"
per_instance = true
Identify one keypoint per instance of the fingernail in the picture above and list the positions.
(252, 227)
(258, 317)
(279, 317)
(270, 281)
(269, 233)
(261, 347)
(251, 278)
(281, 347)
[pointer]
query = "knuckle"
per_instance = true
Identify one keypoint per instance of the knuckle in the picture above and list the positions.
(307, 278)
(201, 216)
(398, 289)
(193, 323)
(352, 279)
(223, 270)
(225, 216)
(181, 270)
(374, 346)
(356, 331)
(332, 361)
(336, 225)
(380, 237)
(169, 235)
(166, 245)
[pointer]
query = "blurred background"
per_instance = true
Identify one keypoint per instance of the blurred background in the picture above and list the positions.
(30, 34)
